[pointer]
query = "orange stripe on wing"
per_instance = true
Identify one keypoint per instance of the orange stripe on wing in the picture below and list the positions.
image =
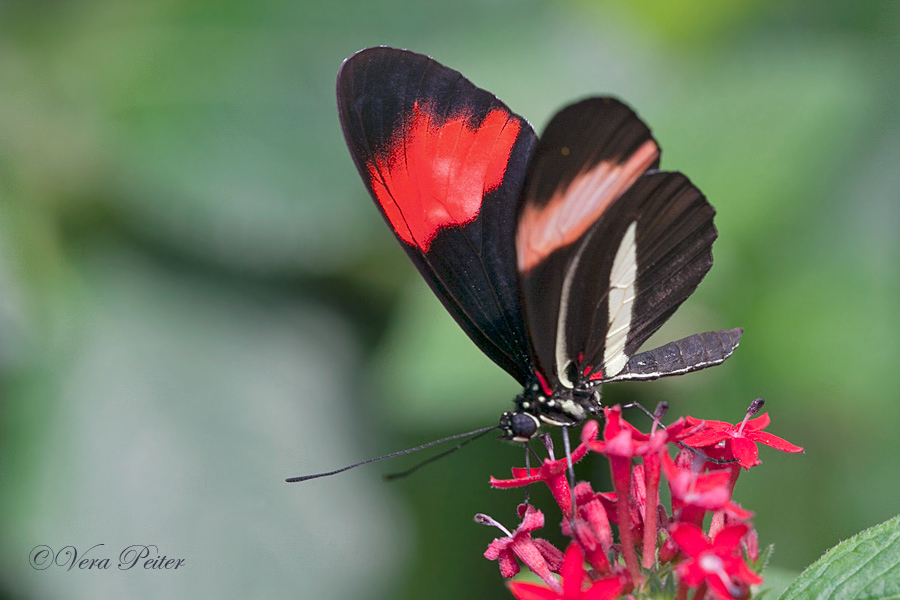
(571, 211)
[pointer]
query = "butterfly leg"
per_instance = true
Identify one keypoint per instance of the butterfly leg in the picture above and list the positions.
(528, 451)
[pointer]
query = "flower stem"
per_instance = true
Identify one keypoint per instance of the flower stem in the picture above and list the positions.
(700, 594)
(718, 518)
(621, 476)
(651, 503)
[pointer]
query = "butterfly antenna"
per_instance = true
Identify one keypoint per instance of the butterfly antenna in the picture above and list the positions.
(474, 435)
(478, 433)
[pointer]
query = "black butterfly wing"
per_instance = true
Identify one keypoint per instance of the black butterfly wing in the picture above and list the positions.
(445, 162)
(608, 248)
(682, 356)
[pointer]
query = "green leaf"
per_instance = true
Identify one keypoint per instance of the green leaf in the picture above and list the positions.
(865, 566)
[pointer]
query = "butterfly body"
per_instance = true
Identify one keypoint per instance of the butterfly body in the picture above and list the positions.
(563, 407)
(558, 256)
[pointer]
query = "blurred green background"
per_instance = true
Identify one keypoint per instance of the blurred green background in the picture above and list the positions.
(198, 299)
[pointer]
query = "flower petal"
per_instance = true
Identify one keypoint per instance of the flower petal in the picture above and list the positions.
(760, 422)
(516, 481)
(603, 589)
(774, 441)
(533, 519)
(496, 547)
(551, 554)
(729, 539)
(531, 591)
(526, 551)
(621, 445)
(572, 571)
(509, 566)
(719, 587)
(690, 538)
(746, 574)
(745, 452)
(707, 437)
(589, 432)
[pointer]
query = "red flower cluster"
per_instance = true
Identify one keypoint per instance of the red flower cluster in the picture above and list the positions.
(675, 553)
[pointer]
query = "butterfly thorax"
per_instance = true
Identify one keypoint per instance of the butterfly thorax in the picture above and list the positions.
(564, 407)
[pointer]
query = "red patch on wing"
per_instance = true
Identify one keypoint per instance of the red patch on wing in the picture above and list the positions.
(595, 376)
(433, 176)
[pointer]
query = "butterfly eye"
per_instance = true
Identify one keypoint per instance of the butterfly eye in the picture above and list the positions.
(523, 426)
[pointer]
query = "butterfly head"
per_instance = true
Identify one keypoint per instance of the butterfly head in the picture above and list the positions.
(564, 408)
(518, 426)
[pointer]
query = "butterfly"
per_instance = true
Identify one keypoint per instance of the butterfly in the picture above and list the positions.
(558, 255)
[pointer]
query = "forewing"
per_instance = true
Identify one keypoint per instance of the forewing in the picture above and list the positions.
(445, 163)
(608, 248)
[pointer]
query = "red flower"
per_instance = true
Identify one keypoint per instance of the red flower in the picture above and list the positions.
(552, 472)
(711, 563)
(590, 528)
(620, 438)
(573, 584)
(693, 493)
(621, 443)
(538, 555)
(650, 471)
(717, 563)
(742, 438)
